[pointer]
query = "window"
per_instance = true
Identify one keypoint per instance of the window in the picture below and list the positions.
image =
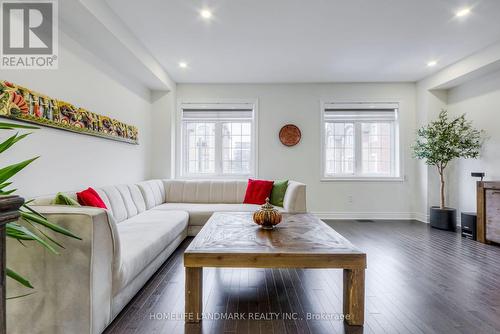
(217, 140)
(360, 140)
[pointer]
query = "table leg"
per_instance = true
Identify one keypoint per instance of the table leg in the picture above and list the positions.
(194, 294)
(354, 296)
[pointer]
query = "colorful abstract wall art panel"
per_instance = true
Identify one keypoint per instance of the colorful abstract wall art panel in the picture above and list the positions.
(22, 104)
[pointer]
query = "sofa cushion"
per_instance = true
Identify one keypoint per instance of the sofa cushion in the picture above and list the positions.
(137, 197)
(90, 197)
(142, 239)
(278, 192)
(205, 191)
(153, 192)
(258, 191)
(63, 199)
(199, 212)
(117, 204)
(104, 197)
(127, 200)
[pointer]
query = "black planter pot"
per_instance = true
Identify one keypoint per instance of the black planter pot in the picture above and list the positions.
(443, 219)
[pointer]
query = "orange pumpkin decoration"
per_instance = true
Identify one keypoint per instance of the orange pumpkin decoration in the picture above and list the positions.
(267, 216)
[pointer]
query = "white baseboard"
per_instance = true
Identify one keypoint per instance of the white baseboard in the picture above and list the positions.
(373, 215)
(423, 217)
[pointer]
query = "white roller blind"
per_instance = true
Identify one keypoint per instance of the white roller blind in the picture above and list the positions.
(361, 111)
(217, 112)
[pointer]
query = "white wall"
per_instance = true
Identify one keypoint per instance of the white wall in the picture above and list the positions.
(163, 113)
(480, 101)
(300, 104)
(70, 161)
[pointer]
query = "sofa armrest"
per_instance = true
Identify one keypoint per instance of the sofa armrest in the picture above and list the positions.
(295, 198)
(73, 289)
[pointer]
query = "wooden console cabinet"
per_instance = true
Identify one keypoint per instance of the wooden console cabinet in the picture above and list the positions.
(488, 212)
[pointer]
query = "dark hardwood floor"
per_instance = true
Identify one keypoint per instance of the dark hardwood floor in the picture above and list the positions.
(419, 280)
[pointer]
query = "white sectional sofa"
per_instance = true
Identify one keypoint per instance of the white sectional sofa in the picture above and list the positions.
(83, 289)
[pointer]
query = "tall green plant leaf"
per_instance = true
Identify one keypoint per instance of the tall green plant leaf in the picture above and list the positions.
(12, 126)
(7, 192)
(12, 140)
(12, 274)
(17, 231)
(5, 185)
(44, 234)
(35, 217)
(20, 296)
(9, 171)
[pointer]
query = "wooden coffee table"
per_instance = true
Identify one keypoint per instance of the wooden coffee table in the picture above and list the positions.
(300, 241)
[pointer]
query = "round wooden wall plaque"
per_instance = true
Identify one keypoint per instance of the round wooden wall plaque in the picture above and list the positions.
(290, 135)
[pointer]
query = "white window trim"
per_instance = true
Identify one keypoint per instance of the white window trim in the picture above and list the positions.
(357, 178)
(228, 103)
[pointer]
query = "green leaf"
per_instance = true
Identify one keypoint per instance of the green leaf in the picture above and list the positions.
(33, 211)
(18, 235)
(12, 126)
(39, 219)
(20, 296)
(8, 192)
(9, 171)
(17, 231)
(12, 140)
(45, 234)
(4, 185)
(17, 277)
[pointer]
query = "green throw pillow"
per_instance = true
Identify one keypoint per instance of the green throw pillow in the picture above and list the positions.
(278, 192)
(63, 199)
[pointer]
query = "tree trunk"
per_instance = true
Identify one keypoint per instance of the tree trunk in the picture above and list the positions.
(441, 179)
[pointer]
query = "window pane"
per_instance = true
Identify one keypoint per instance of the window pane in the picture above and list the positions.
(339, 148)
(200, 150)
(236, 147)
(246, 129)
(217, 142)
(376, 148)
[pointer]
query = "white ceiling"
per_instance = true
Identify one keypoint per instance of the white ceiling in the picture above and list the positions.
(309, 40)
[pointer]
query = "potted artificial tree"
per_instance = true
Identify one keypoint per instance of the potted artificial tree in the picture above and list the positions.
(440, 142)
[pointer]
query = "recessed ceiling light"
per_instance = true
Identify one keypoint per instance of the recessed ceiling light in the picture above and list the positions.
(432, 63)
(462, 12)
(206, 14)
(183, 64)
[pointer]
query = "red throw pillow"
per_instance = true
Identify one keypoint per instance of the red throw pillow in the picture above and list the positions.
(90, 197)
(258, 191)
